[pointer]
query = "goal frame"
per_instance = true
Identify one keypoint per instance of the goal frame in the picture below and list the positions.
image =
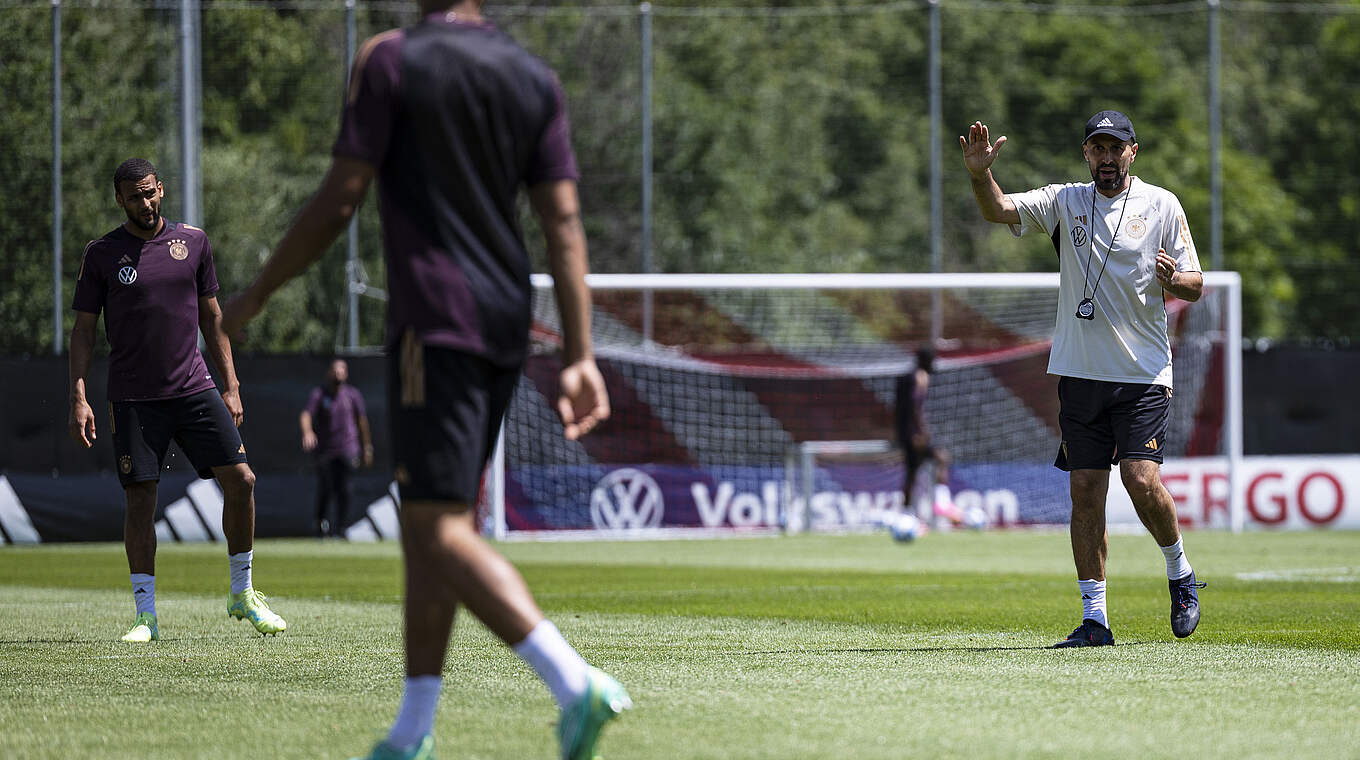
(1230, 282)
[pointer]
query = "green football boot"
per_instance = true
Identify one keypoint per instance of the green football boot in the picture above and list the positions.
(579, 728)
(384, 751)
(143, 629)
(250, 605)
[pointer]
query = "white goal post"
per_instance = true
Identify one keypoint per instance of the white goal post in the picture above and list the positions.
(625, 334)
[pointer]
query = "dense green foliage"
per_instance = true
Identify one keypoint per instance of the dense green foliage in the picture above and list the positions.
(789, 648)
(788, 140)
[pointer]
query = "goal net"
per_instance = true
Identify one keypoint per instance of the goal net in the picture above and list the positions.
(766, 402)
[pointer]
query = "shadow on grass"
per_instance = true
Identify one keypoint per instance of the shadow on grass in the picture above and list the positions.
(132, 646)
(906, 650)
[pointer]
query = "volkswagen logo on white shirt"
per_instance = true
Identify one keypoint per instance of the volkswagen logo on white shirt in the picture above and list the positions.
(1078, 237)
(127, 275)
(626, 499)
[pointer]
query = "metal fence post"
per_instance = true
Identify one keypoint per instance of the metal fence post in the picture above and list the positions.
(645, 14)
(1215, 137)
(56, 179)
(352, 236)
(936, 199)
(191, 133)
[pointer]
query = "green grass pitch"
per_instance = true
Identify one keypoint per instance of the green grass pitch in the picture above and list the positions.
(848, 647)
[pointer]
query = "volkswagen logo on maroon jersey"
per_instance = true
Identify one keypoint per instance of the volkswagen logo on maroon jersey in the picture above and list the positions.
(127, 275)
(626, 499)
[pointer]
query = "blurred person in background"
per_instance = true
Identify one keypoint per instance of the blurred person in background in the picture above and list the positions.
(913, 435)
(335, 432)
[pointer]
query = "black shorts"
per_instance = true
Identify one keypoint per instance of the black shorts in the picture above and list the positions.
(1104, 422)
(200, 424)
(446, 409)
(917, 455)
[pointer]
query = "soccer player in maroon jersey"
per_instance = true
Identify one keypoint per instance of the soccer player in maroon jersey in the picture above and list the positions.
(453, 118)
(154, 281)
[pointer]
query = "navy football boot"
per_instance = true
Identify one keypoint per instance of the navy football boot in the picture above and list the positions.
(1088, 634)
(1184, 605)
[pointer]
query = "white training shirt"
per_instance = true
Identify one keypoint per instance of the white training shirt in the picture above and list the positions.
(1127, 341)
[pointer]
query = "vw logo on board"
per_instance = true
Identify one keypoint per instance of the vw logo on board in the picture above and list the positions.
(626, 499)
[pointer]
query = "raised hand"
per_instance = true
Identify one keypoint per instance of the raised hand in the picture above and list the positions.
(978, 150)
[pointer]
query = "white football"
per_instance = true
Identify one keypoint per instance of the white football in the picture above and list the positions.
(905, 528)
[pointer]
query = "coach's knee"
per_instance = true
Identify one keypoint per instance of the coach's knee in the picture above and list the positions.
(1140, 478)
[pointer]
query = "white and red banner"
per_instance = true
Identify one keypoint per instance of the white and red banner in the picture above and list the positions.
(1283, 493)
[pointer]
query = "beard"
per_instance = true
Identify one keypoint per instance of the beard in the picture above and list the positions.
(148, 226)
(1110, 184)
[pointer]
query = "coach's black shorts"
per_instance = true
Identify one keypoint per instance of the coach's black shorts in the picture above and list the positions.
(446, 409)
(1104, 422)
(200, 424)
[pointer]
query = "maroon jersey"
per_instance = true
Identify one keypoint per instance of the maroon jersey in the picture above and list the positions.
(335, 420)
(149, 291)
(456, 117)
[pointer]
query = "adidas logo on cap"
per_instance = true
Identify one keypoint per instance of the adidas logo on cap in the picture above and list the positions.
(1112, 123)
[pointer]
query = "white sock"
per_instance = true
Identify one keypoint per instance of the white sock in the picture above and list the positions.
(415, 719)
(1093, 601)
(942, 497)
(144, 592)
(553, 659)
(240, 570)
(1177, 566)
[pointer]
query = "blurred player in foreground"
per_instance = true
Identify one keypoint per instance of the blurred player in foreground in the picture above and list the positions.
(155, 282)
(453, 117)
(1110, 347)
(913, 435)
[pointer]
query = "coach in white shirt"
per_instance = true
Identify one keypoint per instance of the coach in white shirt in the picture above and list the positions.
(1121, 244)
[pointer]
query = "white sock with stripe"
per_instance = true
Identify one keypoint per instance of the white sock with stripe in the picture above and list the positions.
(1177, 566)
(144, 592)
(240, 570)
(1093, 601)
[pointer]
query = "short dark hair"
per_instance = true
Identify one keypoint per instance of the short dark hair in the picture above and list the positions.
(925, 358)
(132, 170)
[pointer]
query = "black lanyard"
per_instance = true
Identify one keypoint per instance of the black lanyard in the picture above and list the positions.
(1091, 243)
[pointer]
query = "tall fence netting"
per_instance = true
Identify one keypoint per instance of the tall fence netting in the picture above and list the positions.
(791, 138)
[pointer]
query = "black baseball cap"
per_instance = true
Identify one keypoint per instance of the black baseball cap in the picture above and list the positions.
(1112, 123)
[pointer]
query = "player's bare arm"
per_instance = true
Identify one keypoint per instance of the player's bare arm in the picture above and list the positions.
(978, 155)
(311, 233)
(219, 348)
(308, 435)
(80, 424)
(1187, 286)
(584, 402)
